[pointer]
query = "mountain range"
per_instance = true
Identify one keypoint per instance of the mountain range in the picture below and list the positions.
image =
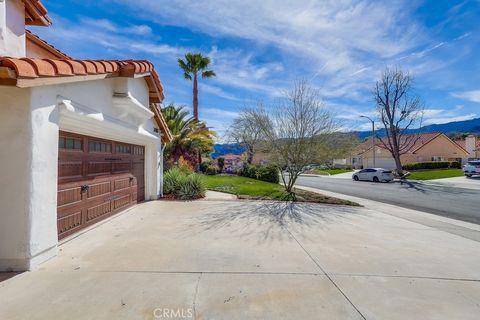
(451, 128)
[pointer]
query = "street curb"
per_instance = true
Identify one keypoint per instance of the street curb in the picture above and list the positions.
(420, 217)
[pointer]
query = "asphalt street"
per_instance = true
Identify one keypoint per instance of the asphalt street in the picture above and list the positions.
(448, 201)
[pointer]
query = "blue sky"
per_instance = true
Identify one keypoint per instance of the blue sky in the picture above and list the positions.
(259, 48)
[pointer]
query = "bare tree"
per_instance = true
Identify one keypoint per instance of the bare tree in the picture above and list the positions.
(245, 131)
(297, 131)
(399, 110)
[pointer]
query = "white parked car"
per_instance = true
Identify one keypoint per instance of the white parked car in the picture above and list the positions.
(373, 174)
(472, 168)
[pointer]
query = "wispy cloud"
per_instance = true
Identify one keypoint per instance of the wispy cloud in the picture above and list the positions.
(110, 26)
(443, 115)
(473, 95)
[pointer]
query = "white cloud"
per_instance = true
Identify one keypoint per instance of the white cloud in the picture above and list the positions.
(441, 120)
(439, 116)
(216, 91)
(473, 95)
(121, 41)
(342, 44)
(219, 113)
(108, 25)
(235, 68)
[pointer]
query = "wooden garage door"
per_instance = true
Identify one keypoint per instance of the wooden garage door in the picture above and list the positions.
(96, 179)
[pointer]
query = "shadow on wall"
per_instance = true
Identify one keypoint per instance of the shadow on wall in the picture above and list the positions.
(268, 220)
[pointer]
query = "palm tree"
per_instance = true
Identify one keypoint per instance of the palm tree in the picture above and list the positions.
(190, 136)
(191, 66)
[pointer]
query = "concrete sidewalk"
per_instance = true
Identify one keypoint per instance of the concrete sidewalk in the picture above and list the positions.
(256, 260)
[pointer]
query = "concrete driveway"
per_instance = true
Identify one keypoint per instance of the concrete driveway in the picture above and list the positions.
(255, 260)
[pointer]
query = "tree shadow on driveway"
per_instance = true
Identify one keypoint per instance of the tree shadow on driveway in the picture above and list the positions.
(268, 220)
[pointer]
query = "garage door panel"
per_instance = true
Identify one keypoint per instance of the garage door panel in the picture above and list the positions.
(122, 201)
(123, 183)
(98, 168)
(99, 210)
(99, 189)
(69, 223)
(69, 196)
(68, 170)
(96, 181)
(122, 167)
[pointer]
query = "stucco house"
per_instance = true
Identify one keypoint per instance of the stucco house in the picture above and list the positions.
(80, 140)
(472, 145)
(428, 147)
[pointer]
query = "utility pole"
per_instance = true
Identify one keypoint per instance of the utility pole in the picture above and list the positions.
(373, 137)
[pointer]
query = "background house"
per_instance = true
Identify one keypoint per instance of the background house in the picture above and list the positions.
(80, 140)
(428, 147)
(233, 162)
(472, 145)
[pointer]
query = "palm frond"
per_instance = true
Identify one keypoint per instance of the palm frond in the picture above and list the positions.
(208, 74)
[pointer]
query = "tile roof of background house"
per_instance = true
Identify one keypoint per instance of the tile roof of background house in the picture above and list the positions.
(423, 139)
(462, 143)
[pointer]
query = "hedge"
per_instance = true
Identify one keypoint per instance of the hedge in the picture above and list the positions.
(431, 165)
(268, 173)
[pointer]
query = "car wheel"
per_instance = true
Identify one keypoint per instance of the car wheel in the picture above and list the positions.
(355, 178)
(468, 175)
(375, 179)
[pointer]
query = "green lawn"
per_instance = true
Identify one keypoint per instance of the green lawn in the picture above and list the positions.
(435, 174)
(246, 188)
(330, 171)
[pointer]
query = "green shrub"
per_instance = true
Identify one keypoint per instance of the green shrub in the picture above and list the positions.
(171, 180)
(183, 186)
(268, 173)
(204, 165)
(191, 187)
(431, 165)
(211, 170)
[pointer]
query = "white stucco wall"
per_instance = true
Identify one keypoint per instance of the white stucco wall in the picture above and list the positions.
(12, 28)
(29, 123)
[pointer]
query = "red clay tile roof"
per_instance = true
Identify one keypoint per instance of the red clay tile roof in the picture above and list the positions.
(36, 14)
(32, 72)
(36, 40)
(423, 139)
(462, 143)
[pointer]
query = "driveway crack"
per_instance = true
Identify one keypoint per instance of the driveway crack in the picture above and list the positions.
(326, 274)
(195, 297)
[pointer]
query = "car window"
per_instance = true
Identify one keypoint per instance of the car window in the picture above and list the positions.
(362, 171)
(371, 170)
(474, 163)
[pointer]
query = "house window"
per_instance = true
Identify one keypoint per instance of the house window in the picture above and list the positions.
(97, 146)
(69, 143)
(138, 150)
(123, 148)
(438, 158)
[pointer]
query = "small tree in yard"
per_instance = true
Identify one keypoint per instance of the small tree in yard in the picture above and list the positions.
(220, 163)
(399, 110)
(297, 131)
(245, 131)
